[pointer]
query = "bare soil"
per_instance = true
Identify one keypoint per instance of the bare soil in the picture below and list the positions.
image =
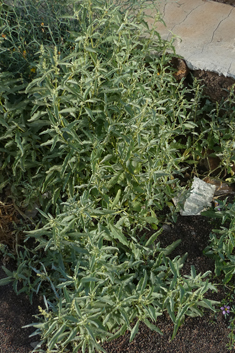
(228, 2)
(15, 312)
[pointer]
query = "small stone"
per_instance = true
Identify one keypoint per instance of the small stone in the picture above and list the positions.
(181, 67)
(221, 187)
(166, 227)
(34, 344)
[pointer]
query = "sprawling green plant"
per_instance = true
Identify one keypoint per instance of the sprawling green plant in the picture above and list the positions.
(95, 137)
(222, 242)
(97, 282)
(98, 116)
(25, 25)
(109, 114)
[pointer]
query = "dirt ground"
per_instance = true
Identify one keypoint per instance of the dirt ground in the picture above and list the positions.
(228, 2)
(15, 312)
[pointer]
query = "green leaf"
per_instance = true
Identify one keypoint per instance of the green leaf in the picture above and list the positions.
(153, 237)
(37, 81)
(68, 110)
(152, 312)
(90, 332)
(179, 319)
(36, 116)
(134, 331)
(71, 337)
(113, 181)
(89, 49)
(171, 247)
(55, 195)
(4, 123)
(193, 271)
(190, 125)
(171, 312)
(173, 268)
(117, 234)
(50, 329)
(79, 314)
(194, 312)
(6, 280)
(152, 327)
(151, 220)
(7, 272)
(124, 315)
(206, 303)
(136, 205)
(228, 276)
(144, 282)
(37, 233)
(129, 110)
(96, 212)
(159, 174)
(90, 114)
(18, 142)
(119, 333)
(117, 198)
(89, 279)
(182, 293)
(57, 337)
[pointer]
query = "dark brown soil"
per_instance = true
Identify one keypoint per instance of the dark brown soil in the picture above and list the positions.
(15, 312)
(228, 2)
(216, 87)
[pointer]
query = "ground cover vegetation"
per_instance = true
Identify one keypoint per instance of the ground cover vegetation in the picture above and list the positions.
(97, 133)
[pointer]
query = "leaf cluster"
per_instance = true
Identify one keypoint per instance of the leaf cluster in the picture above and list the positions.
(222, 242)
(98, 136)
(94, 290)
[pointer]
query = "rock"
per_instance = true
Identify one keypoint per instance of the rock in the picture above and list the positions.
(181, 67)
(221, 187)
(166, 227)
(34, 344)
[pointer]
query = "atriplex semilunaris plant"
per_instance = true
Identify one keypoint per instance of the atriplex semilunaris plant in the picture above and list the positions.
(95, 135)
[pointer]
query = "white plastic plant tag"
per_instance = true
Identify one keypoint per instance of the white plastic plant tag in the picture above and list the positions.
(197, 199)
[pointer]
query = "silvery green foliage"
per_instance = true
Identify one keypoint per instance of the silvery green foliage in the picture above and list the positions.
(25, 25)
(221, 244)
(95, 130)
(105, 116)
(102, 280)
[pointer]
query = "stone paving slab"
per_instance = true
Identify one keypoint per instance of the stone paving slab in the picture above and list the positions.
(204, 30)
